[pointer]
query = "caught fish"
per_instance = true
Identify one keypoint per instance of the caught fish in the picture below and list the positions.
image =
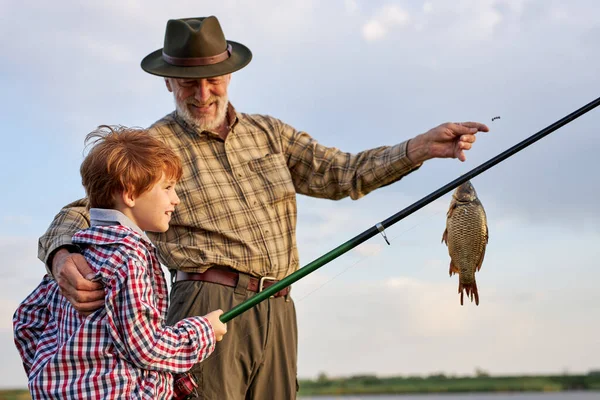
(466, 236)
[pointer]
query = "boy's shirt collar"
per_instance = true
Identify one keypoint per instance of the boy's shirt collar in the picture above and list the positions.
(107, 217)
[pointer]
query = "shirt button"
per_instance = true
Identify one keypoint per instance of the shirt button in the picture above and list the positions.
(267, 232)
(239, 174)
(160, 296)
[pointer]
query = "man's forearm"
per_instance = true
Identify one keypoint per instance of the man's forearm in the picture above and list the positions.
(416, 150)
(69, 220)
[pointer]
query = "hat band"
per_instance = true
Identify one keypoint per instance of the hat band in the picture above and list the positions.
(197, 61)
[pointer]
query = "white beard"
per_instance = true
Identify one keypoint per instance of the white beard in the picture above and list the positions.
(202, 123)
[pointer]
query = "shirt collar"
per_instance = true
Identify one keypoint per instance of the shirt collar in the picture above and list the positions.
(232, 117)
(106, 217)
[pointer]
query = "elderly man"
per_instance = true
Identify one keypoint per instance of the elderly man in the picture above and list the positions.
(235, 229)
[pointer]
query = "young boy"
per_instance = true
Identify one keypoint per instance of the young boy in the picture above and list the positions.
(123, 350)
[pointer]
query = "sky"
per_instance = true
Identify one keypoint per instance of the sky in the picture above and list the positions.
(354, 74)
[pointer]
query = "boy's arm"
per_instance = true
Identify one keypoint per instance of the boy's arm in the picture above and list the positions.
(30, 320)
(137, 326)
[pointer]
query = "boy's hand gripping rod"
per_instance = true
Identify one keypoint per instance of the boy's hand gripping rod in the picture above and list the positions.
(369, 233)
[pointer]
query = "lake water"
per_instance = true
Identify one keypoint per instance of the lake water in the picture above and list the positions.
(470, 396)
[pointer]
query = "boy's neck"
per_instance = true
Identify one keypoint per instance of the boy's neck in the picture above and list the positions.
(113, 216)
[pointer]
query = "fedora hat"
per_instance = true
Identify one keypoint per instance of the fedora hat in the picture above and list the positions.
(196, 48)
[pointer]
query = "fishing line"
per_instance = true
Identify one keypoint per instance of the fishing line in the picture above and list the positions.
(346, 269)
(360, 260)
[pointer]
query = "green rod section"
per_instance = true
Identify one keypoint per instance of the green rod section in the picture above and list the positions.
(352, 243)
(299, 274)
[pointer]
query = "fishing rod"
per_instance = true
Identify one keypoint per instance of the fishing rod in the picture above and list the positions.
(380, 227)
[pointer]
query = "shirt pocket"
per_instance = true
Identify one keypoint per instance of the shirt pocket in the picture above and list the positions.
(272, 178)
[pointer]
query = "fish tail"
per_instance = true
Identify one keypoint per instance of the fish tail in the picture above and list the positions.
(471, 289)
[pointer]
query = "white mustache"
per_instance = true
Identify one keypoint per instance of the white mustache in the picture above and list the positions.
(207, 103)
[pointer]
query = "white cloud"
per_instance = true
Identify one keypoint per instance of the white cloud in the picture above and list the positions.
(488, 19)
(427, 7)
(385, 18)
(373, 30)
(351, 6)
(395, 15)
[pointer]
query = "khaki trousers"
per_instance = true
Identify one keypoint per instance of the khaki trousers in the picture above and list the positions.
(256, 360)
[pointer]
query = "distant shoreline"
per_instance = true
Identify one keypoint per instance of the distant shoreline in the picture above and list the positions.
(434, 384)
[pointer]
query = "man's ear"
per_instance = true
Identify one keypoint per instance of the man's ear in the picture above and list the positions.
(168, 83)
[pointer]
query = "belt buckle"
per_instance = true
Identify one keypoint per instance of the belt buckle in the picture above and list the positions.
(261, 283)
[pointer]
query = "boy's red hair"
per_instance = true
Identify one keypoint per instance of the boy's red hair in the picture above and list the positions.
(124, 160)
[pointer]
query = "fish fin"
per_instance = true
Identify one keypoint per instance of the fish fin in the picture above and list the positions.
(480, 260)
(445, 237)
(453, 269)
(460, 290)
(453, 205)
(476, 293)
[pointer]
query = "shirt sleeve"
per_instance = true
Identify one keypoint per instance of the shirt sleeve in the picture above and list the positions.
(70, 219)
(137, 325)
(30, 320)
(328, 172)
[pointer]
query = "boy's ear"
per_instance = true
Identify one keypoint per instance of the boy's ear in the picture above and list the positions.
(127, 198)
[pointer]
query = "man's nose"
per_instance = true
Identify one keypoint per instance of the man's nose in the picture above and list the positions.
(203, 91)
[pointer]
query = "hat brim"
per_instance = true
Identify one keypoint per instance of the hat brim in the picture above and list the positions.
(240, 56)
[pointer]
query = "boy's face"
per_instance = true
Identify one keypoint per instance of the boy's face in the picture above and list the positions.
(152, 209)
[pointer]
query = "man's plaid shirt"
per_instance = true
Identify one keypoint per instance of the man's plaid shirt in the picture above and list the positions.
(238, 196)
(123, 350)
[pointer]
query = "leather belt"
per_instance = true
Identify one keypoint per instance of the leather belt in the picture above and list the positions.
(230, 278)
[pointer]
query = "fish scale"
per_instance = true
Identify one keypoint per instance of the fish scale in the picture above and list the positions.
(466, 236)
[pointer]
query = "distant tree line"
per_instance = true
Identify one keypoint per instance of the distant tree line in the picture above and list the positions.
(480, 381)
